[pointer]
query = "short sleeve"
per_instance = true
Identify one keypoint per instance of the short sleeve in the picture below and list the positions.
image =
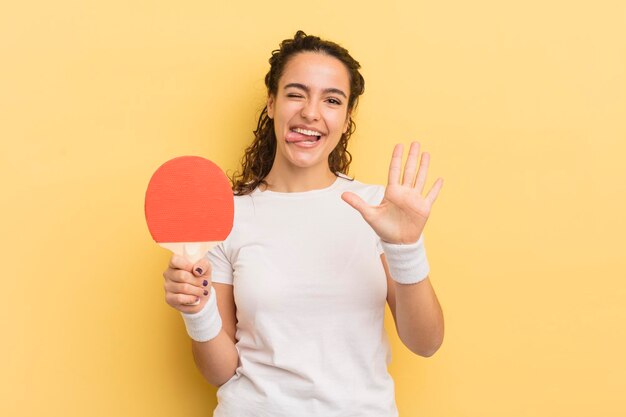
(379, 247)
(222, 270)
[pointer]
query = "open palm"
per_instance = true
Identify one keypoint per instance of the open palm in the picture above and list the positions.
(402, 214)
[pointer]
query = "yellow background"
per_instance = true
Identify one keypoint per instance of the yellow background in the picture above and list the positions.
(522, 106)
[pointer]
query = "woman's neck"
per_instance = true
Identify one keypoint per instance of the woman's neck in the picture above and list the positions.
(298, 180)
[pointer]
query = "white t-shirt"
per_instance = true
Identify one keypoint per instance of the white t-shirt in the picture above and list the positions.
(310, 292)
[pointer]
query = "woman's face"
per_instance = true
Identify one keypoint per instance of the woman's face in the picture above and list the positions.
(310, 110)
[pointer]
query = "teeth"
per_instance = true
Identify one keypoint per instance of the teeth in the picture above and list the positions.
(307, 132)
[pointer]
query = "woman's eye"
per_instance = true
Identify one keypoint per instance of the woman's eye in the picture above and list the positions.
(292, 95)
(334, 101)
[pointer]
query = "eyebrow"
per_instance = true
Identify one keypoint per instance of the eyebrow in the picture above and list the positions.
(307, 89)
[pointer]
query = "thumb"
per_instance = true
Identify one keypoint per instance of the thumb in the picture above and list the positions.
(202, 267)
(356, 202)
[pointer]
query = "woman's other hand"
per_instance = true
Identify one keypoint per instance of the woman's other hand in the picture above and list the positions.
(402, 214)
(187, 284)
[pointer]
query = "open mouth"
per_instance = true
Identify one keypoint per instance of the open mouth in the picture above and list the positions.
(303, 135)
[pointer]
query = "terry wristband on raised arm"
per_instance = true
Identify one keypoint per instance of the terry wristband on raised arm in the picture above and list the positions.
(407, 263)
(206, 323)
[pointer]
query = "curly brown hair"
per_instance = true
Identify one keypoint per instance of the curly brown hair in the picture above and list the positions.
(259, 156)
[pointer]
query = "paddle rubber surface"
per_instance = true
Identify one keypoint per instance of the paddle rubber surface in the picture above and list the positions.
(189, 199)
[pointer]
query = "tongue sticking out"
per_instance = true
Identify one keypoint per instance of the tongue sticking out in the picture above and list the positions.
(299, 137)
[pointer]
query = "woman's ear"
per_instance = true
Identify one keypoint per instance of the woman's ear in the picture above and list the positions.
(270, 106)
(346, 125)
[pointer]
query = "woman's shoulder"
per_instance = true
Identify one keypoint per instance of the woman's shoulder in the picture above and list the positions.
(371, 193)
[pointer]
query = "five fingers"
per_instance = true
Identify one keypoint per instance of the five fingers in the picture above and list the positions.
(409, 177)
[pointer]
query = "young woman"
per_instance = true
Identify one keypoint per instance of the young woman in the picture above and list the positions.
(291, 305)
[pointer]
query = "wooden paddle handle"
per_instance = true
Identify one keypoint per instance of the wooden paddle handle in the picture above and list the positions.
(193, 251)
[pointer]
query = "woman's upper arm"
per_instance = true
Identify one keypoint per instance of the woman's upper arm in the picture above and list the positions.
(226, 307)
(391, 289)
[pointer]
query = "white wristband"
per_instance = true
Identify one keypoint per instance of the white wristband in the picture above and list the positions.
(206, 323)
(407, 263)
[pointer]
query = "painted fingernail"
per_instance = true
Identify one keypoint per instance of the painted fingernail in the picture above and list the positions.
(205, 283)
(206, 292)
(199, 270)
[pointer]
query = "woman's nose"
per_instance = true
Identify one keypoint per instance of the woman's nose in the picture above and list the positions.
(310, 110)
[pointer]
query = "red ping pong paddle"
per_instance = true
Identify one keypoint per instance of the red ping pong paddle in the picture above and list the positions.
(189, 206)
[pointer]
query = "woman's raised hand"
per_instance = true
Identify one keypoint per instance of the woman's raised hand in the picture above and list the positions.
(402, 214)
(187, 283)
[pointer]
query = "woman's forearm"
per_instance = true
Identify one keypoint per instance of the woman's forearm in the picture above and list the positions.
(419, 317)
(216, 359)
